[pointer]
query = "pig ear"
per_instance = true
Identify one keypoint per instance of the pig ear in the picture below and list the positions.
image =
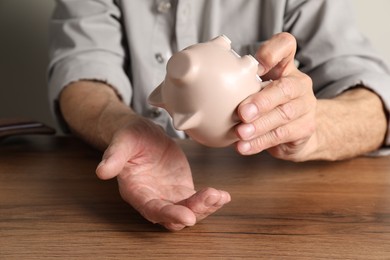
(155, 98)
(250, 60)
(249, 63)
(182, 67)
(186, 121)
(223, 41)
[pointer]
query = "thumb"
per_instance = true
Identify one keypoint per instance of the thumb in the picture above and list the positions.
(276, 56)
(113, 161)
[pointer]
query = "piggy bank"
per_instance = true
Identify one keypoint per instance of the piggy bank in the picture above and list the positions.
(203, 86)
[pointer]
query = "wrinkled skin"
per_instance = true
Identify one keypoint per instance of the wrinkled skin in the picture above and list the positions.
(281, 117)
(155, 178)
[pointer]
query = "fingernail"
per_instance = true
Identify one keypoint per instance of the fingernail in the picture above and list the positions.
(101, 163)
(246, 131)
(260, 69)
(249, 112)
(244, 147)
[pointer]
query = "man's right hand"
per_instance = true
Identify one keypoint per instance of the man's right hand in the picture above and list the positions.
(152, 171)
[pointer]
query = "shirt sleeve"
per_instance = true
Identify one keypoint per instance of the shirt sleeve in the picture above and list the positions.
(86, 44)
(333, 52)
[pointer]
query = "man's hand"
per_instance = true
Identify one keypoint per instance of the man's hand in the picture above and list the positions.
(288, 121)
(281, 117)
(152, 171)
(155, 178)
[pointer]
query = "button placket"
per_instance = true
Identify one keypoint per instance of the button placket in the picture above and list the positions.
(186, 32)
(161, 51)
(161, 33)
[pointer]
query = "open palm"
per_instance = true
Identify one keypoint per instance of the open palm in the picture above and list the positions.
(155, 178)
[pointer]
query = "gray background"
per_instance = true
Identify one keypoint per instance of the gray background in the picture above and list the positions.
(23, 52)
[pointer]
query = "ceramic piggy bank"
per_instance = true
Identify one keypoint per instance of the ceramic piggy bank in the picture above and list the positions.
(203, 86)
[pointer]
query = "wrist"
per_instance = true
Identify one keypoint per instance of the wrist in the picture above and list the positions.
(113, 117)
(351, 124)
(93, 111)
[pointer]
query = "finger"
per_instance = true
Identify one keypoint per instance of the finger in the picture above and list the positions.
(279, 116)
(300, 129)
(150, 205)
(168, 214)
(187, 212)
(276, 56)
(205, 202)
(293, 151)
(113, 161)
(275, 94)
(173, 226)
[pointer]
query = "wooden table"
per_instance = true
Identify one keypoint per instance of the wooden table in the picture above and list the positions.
(52, 205)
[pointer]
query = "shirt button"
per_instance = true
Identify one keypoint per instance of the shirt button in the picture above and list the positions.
(159, 58)
(164, 7)
(154, 112)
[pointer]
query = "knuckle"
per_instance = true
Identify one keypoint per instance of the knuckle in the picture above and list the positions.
(307, 80)
(257, 145)
(265, 54)
(262, 125)
(286, 112)
(286, 87)
(311, 128)
(286, 153)
(265, 103)
(280, 151)
(279, 135)
(307, 83)
(274, 138)
(288, 39)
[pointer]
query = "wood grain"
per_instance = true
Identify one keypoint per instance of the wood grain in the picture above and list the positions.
(53, 206)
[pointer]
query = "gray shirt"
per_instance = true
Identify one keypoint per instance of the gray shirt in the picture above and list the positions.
(126, 43)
